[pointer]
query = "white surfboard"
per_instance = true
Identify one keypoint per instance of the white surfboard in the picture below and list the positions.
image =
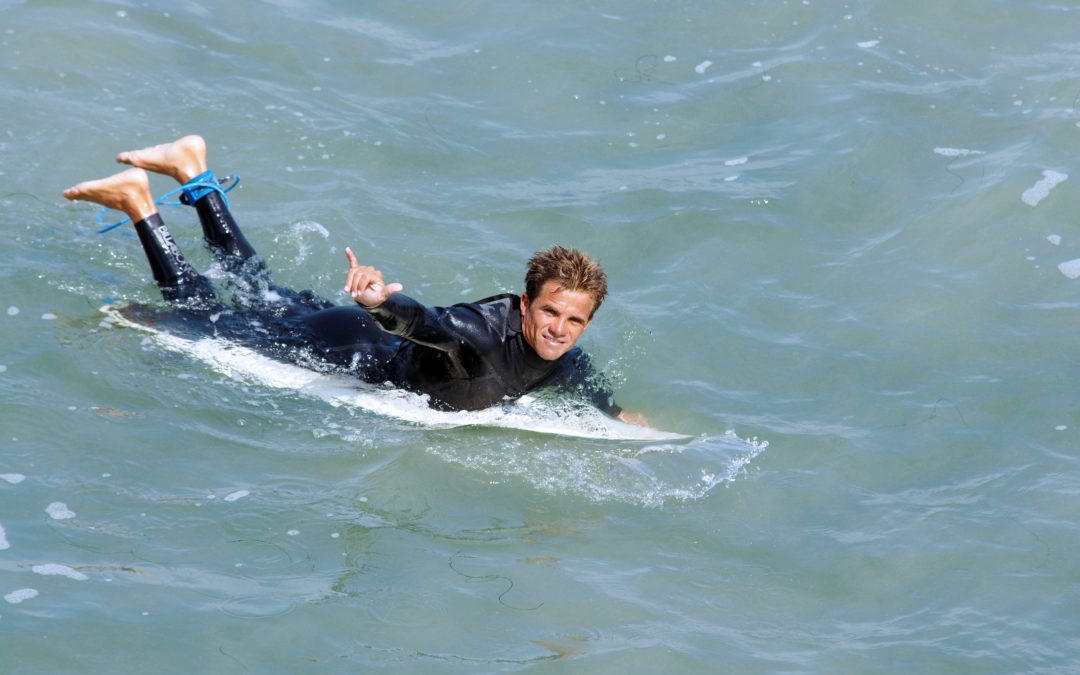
(526, 413)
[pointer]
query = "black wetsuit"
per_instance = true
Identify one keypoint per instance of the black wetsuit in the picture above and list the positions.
(464, 357)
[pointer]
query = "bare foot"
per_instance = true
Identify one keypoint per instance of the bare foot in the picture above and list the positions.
(182, 159)
(127, 191)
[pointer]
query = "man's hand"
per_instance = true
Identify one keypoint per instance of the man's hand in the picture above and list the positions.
(365, 284)
(633, 418)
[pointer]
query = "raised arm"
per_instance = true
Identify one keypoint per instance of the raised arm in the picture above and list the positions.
(445, 329)
(365, 283)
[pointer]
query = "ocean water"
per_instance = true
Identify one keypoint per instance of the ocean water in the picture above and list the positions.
(844, 262)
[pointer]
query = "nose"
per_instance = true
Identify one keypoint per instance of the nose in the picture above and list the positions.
(558, 327)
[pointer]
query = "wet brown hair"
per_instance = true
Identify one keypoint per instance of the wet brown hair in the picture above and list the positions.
(571, 269)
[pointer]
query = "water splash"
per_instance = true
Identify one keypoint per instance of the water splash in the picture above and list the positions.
(299, 238)
(651, 475)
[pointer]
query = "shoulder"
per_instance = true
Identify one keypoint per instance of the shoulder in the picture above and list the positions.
(501, 313)
(481, 324)
(579, 378)
(578, 359)
(573, 366)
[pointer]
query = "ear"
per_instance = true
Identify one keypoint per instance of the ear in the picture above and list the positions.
(524, 303)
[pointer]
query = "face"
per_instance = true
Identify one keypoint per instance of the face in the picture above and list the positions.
(552, 322)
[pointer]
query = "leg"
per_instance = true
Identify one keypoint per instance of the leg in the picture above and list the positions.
(185, 160)
(129, 192)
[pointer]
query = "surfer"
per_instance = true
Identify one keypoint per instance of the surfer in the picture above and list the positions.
(467, 356)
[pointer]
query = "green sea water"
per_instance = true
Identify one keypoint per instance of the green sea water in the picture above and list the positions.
(841, 241)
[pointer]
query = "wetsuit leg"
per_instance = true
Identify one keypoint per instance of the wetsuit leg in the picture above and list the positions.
(175, 276)
(232, 249)
(221, 231)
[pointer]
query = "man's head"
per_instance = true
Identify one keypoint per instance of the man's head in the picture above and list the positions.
(563, 289)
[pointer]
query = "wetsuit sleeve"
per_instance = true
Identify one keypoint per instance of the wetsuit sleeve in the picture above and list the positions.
(582, 379)
(442, 328)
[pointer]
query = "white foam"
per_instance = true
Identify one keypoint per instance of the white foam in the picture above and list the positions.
(270, 295)
(13, 310)
(1039, 191)
(48, 316)
(1054, 239)
(59, 511)
(239, 494)
(21, 595)
(1070, 268)
(702, 67)
(957, 152)
(651, 476)
(4, 544)
(13, 478)
(53, 569)
(868, 44)
(738, 161)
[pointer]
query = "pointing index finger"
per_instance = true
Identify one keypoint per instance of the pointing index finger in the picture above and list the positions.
(351, 257)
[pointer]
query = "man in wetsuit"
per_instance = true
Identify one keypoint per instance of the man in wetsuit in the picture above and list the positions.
(465, 357)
